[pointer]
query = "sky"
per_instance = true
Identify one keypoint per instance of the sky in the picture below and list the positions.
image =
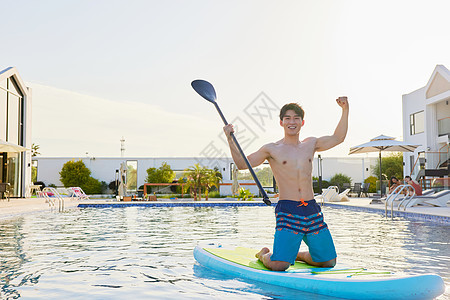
(103, 70)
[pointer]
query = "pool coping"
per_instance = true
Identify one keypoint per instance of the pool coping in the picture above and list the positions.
(417, 216)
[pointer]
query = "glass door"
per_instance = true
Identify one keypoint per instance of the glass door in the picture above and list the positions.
(13, 167)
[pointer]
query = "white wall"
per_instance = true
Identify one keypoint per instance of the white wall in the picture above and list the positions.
(412, 103)
(358, 168)
(443, 109)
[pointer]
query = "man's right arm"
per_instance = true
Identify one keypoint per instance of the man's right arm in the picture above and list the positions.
(255, 159)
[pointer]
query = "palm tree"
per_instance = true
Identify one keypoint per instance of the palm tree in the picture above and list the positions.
(211, 179)
(195, 177)
(199, 178)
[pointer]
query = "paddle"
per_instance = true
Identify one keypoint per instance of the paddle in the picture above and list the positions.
(206, 90)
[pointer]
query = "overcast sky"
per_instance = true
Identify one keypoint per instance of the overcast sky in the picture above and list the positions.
(101, 70)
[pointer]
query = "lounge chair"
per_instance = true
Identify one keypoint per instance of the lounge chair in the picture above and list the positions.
(439, 199)
(331, 195)
(79, 193)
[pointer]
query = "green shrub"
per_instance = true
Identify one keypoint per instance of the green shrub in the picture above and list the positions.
(339, 179)
(214, 194)
(245, 194)
(373, 183)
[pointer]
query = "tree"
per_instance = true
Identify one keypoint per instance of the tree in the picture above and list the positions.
(76, 174)
(390, 166)
(163, 174)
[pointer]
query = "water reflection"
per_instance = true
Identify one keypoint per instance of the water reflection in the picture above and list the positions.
(147, 252)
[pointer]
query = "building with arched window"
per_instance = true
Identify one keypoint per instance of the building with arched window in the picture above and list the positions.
(15, 132)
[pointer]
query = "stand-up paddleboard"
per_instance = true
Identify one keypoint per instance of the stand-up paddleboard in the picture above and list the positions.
(350, 283)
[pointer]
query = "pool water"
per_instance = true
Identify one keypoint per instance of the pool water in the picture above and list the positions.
(146, 253)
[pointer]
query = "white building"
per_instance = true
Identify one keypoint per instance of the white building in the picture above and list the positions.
(426, 122)
(15, 128)
(105, 169)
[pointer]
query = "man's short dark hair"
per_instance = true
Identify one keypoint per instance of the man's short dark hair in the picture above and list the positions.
(408, 177)
(292, 106)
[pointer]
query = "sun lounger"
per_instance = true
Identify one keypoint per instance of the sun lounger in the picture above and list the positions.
(79, 193)
(440, 199)
(331, 195)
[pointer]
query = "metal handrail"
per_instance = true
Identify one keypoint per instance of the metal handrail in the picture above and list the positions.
(394, 195)
(51, 202)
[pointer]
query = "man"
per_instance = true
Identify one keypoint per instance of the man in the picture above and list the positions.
(415, 185)
(298, 215)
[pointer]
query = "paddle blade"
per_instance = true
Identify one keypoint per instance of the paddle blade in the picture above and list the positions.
(204, 89)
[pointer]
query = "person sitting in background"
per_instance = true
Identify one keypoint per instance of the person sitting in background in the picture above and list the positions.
(393, 184)
(415, 185)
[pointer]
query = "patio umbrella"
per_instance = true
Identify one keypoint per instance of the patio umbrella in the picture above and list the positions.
(383, 143)
(10, 147)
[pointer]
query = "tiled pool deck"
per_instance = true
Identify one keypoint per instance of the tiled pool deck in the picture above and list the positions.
(17, 207)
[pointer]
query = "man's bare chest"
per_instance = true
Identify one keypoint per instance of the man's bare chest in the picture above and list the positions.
(293, 157)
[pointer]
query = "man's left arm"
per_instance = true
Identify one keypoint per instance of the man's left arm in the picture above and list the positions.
(328, 142)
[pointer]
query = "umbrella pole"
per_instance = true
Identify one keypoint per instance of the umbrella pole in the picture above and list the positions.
(381, 178)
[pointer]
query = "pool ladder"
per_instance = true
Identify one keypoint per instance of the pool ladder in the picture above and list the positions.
(397, 194)
(51, 199)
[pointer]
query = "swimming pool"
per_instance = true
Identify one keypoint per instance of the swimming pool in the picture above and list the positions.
(145, 252)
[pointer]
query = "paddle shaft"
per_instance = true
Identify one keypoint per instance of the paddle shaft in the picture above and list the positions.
(263, 192)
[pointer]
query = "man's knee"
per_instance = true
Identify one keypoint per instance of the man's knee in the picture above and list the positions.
(280, 266)
(328, 264)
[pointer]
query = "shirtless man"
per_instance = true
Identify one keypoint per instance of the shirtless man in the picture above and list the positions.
(298, 215)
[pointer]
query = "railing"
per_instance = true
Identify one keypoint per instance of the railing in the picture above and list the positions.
(436, 184)
(398, 192)
(431, 160)
(50, 194)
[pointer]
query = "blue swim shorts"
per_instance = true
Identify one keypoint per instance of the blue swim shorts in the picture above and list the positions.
(297, 221)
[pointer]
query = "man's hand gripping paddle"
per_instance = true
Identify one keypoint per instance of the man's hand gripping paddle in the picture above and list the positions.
(206, 90)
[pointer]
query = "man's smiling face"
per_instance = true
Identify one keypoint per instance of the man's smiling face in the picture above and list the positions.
(292, 123)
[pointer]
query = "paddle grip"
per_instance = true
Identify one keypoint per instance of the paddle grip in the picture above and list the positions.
(261, 189)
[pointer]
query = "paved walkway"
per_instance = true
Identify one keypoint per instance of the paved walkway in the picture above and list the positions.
(18, 207)
(22, 206)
